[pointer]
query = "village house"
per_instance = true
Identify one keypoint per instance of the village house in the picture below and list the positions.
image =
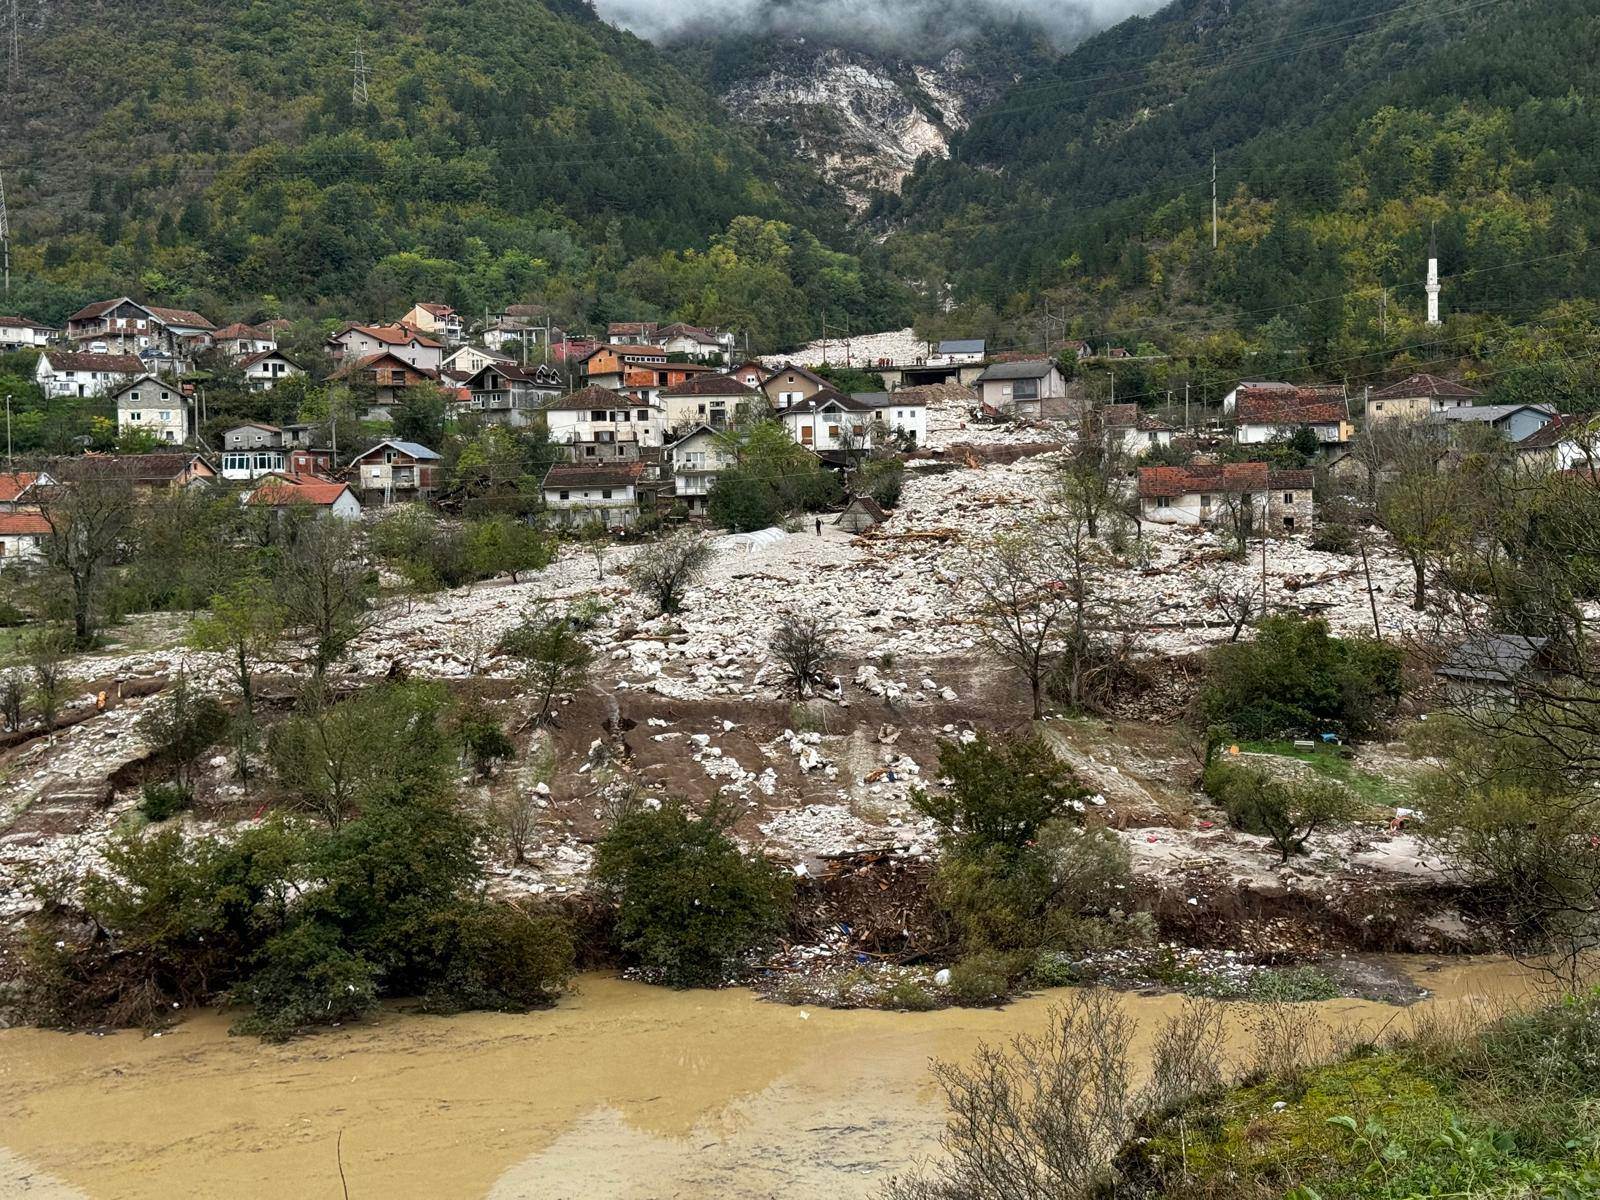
(963, 350)
(124, 326)
(695, 459)
(714, 400)
(310, 461)
(239, 340)
(506, 394)
(904, 412)
(395, 470)
(438, 321)
(150, 405)
(523, 330)
(1566, 443)
(607, 366)
(381, 378)
(1264, 415)
(1277, 501)
(1514, 422)
(752, 373)
(790, 384)
(629, 333)
(693, 341)
(1418, 397)
(1495, 666)
(467, 361)
(161, 471)
(578, 493)
(20, 331)
(265, 369)
(18, 490)
(22, 536)
(84, 373)
(597, 423)
(291, 493)
(359, 342)
(253, 450)
(1019, 389)
(1130, 431)
(830, 422)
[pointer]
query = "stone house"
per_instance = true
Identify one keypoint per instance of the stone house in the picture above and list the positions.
(150, 405)
(1281, 502)
(1019, 389)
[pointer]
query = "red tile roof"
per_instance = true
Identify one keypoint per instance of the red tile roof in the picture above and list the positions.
(593, 397)
(1189, 481)
(180, 316)
(568, 475)
(14, 483)
(23, 524)
(389, 335)
(711, 385)
(277, 491)
(24, 323)
(116, 364)
(1290, 406)
(437, 310)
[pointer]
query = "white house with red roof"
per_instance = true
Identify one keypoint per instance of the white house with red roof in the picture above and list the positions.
(265, 369)
(364, 341)
(438, 321)
(285, 492)
(20, 331)
(84, 373)
(22, 536)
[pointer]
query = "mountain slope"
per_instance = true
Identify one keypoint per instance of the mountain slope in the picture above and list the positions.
(217, 145)
(1344, 130)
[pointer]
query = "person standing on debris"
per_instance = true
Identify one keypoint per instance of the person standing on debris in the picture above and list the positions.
(819, 526)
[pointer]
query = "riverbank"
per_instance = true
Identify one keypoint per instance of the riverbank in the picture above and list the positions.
(622, 1091)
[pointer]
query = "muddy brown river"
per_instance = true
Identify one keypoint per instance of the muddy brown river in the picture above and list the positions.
(623, 1092)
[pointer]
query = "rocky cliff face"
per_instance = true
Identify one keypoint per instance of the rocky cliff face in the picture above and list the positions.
(863, 116)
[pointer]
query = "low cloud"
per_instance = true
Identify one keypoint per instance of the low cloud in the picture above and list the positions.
(867, 22)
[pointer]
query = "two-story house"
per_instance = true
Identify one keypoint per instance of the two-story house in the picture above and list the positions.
(904, 412)
(694, 341)
(124, 326)
(506, 394)
(253, 450)
(395, 470)
(20, 331)
(146, 404)
(834, 425)
(380, 379)
(1264, 415)
(1020, 389)
(709, 399)
(467, 361)
(1417, 398)
(610, 493)
(1514, 422)
(1268, 501)
(597, 423)
(694, 460)
(438, 321)
(84, 373)
(1128, 430)
(355, 342)
(790, 384)
(265, 369)
(239, 340)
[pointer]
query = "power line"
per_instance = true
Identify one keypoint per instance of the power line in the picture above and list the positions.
(5, 236)
(358, 78)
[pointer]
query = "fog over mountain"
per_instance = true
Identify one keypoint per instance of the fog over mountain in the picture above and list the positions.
(882, 23)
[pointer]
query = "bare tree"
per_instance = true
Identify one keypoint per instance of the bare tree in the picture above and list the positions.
(1422, 508)
(1022, 605)
(12, 694)
(326, 593)
(47, 657)
(555, 659)
(1039, 1120)
(666, 569)
(1235, 596)
(514, 818)
(91, 518)
(803, 646)
(1088, 481)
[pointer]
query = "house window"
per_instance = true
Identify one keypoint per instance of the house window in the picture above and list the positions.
(597, 416)
(1288, 497)
(133, 416)
(833, 432)
(1379, 406)
(588, 451)
(605, 493)
(642, 415)
(1026, 389)
(134, 396)
(1288, 522)
(1205, 501)
(166, 415)
(566, 495)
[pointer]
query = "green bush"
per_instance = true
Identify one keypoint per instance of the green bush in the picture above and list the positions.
(499, 957)
(691, 906)
(1000, 793)
(985, 978)
(1333, 539)
(161, 801)
(1288, 811)
(1295, 678)
(306, 978)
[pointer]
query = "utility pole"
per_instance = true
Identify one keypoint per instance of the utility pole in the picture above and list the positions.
(1186, 406)
(5, 237)
(1213, 199)
(16, 39)
(1383, 314)
(358, 78)
(10, 463)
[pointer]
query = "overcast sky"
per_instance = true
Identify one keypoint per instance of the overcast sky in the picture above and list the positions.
(869, 20)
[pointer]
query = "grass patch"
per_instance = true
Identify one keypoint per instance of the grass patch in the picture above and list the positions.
(1370, 788)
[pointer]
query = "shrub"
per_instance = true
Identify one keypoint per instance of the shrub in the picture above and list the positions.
(985, 978)
(803, 647)
(183, 724)
(1286, 811)
(306, 978)
(664, 570)
(1296, 678)
(1333, 539)
(691, 906)
(999, 793)
(161, 801)
(555, 658)
(498, 957)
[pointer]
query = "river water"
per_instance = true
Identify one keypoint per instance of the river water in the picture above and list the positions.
(622, 1092)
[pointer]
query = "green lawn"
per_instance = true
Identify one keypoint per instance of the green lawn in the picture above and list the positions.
(1379, 791)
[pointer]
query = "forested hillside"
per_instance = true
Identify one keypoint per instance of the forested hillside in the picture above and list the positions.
(1344, 130)
(507, 149)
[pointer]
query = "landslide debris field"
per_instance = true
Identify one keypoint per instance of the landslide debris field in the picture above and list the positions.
(693, 706)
